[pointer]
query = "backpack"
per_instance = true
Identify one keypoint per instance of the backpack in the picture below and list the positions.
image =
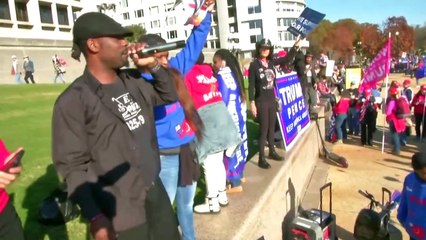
(402, 108)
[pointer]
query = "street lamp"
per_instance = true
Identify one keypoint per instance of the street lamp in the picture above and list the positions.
(397, 44)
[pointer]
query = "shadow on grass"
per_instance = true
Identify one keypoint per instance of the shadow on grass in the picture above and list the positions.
(36, 192)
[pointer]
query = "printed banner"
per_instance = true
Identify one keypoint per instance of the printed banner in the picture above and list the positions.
(306, 22)
(231, 96)
(353, 75)
(377, 70)
(294, 118)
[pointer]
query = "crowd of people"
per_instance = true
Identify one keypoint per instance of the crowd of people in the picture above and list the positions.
(129, 143)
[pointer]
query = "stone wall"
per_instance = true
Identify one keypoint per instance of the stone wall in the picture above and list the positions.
(41, 52)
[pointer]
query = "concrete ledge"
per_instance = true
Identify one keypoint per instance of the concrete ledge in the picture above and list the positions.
(270, 198)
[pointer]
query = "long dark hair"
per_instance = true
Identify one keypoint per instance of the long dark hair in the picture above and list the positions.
(234, 65)
(187, 104)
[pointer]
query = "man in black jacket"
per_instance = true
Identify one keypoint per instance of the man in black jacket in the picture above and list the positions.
(104, 140)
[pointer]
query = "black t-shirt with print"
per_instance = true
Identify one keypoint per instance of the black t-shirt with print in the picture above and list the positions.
(262, 81)
(125, 106)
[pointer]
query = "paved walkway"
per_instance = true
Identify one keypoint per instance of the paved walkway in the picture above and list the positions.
(369, 169)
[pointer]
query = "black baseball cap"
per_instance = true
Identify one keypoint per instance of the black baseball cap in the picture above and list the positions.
(95, 25)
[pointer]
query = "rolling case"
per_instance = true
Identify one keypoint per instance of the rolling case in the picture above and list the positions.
(314, 224)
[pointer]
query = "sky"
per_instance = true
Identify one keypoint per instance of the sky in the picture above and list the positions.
(371, 11)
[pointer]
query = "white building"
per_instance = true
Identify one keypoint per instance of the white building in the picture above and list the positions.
(38, 19)
(249, 21)
(236, 24)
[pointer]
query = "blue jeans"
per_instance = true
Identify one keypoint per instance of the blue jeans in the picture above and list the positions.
(353, 120)
(395, 138)
(18, 78)
(184, 195)
(340, 126)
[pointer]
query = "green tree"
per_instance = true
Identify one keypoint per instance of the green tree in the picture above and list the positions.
(404, 40)
(371, 39)
(420, 42)
(137, 30)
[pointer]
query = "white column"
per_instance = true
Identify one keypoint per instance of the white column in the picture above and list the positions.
(34, 18)
(13, 13)
(55, 16)
(70, 16)
(223, 23)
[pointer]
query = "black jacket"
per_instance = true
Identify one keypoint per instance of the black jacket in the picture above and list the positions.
(258, 80)
(105, 169)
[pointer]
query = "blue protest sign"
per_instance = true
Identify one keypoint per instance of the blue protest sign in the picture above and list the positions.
(294, 117)
(230, 91)
(306, 22)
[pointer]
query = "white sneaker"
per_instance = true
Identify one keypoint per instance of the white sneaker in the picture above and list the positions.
(210, 206)
(223, 198)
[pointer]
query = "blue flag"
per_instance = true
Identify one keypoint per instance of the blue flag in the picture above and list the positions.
(306, 22)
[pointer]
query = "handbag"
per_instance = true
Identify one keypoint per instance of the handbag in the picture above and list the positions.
(57, 209)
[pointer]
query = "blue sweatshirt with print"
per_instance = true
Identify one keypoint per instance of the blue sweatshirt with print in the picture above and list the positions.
(412, 207)
(172, 129)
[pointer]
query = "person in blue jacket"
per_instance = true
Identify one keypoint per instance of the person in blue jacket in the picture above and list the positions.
(176, 130)
(412, 207)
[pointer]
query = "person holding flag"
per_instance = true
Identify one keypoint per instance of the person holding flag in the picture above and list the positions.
(418, 103)
(231, 86)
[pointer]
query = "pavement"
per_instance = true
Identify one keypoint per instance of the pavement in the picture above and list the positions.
(369, 169)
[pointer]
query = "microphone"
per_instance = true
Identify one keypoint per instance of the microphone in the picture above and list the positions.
(162, 48)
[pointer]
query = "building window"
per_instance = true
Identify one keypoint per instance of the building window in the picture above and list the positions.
(231, 3)
(233, 27)
(46, 13)
(171, 21)
(255, 38)
(125, 3)
(231, 12)
(126, 16)
(284, 22)
(62, 15)
(255, 8)
(139, 13)
(155, 24)
(168, 7)
(21, 11)
(217, 44)
(4, 10)
(255, 24)
(154, 10)
(172, 34)
(75, 12)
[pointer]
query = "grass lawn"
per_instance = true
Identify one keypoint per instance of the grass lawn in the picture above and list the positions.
(25, 120)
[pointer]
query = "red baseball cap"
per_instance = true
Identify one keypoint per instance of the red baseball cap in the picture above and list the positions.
(407, 82)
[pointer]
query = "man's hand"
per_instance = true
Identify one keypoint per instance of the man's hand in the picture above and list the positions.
(101, 229)
(209, 2)
(253, 109)
(146, 61)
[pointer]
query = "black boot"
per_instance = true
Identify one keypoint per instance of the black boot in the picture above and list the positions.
(274, 155)
(262, 163)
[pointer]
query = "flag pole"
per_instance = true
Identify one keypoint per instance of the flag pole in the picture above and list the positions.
(386, 92)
